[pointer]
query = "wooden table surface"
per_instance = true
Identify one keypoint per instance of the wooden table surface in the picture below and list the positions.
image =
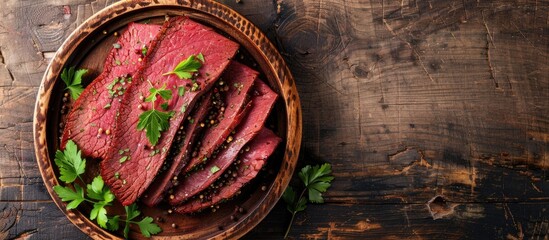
(433, 113)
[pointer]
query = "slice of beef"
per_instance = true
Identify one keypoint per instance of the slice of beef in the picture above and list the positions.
(237, 81)
(91, 120)
(191, 129)
(184, 37)
(262, 102)
(247, 167)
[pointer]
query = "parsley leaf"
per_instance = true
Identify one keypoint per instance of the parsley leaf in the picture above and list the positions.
(289, 197)
(186, 68)
(165, 94)
(113, 223)
(154, 122)
(73, 80)
(67, 194)
(100, 213)
(214, 169)
(98, 191)
(70, 162)
(200, 57)
(164, 106)
(316, 180)
(131, 213)
(181, 91)
(144, 50)
(71, 165)
(147, 227)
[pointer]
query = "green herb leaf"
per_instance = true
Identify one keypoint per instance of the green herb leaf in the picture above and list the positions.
(100, 213)
(113, 223)
(315, 196)
(181, 91)
(214, 169)
(165, 94)
(71, 165)
(154, 122)
(67, 194)
(164, 106)
(97, 190)
(320, 186)
(144, 50)
(97, 184)
(147, 227)
(301, 205)
(289, 198)
(317, 180)
(73, 81)
(195, 87)
(186, 68)
(70, 162)
(200, 57)
(131, 213)
(310, 175)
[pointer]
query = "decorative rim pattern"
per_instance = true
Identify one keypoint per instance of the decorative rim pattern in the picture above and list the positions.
(278, 71)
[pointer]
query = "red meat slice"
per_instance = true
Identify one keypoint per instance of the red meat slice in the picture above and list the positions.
(163, 182)
(262, 102)
(91, 120)
(251, 162)
(184, 37)
(239, 80)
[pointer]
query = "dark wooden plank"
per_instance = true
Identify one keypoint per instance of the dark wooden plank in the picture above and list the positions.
(35, 220)
(409, 221)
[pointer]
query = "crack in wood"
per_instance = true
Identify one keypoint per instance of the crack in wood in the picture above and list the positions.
(10, 74)
(490, 40)
(8, 218)
(386, 24)
(25, 234)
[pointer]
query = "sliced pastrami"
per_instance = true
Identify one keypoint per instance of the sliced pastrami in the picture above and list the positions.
(130, 178)
(237, 81)
(91, 120)
(191, 129)
(263, 99)
(246, 169)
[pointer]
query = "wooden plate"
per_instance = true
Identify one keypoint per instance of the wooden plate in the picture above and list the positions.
(87, 46)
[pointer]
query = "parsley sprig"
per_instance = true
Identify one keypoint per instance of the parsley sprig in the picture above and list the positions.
(73, 81)
(70, 163)
(146, 225)
(316, 180)
(71, 167)
(155, 121)
(186, 68)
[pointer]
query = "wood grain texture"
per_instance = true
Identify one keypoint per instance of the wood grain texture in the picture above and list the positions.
(408, 99)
